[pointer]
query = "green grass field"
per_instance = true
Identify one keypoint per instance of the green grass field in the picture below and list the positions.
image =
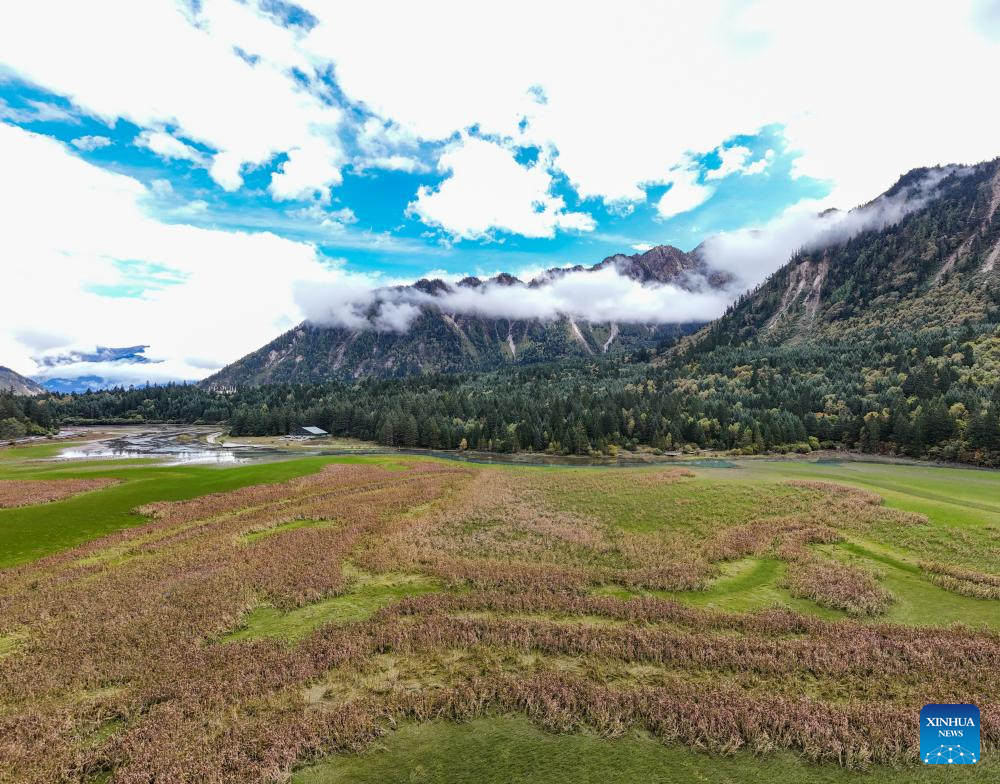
(506, 750)
(961, 505)
(367, 594)
(28, 533)
(953, 498)
(745, 585)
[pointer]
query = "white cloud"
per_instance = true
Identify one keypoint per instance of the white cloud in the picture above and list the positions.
(642, 247)
(91, 143)
(36, 111)
(598, 296)
(160, 63)
(333, 220)
(167, 146)
(385, 145)
(163, 199)
(440, 274)
(487, 189)
(626, 112)
(309, 171)
(162, 189)
(344, 215)
(624, 117)
(731, 160)
(403, 163)
(40, 339)
(226, 170)
(737, 160)
(760, 165)
(651, 83)
(191, 208)
(750, 255)
(69, 242)
(684, 195)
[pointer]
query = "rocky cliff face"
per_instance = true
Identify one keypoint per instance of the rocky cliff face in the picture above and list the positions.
(21, 385)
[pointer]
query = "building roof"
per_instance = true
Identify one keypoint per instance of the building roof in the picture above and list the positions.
(316, 431)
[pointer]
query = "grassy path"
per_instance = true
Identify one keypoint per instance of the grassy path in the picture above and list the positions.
(959, 503)
(505, 750)
(368, 594)
(745, 585)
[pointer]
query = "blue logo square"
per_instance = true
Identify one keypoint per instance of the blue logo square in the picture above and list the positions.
(949, 734)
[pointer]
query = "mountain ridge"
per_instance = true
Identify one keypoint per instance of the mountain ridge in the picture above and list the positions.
(921, 253)
(935, 267)
(21, 385)
(442, 341)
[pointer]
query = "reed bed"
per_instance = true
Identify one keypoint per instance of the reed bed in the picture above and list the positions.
(967, 582)
(25, 492)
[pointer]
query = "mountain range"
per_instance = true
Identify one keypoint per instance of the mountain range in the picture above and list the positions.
(923, 253)
(881, 334)
(442, 341)
(934, 265)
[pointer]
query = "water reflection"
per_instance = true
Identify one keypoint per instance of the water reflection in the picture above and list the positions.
(196, 444)
(175, 446)
(174, 456)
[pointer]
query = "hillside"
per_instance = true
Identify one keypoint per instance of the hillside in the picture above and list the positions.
(20, 385)
(937, 268)
(438, 341)
(887, 342)
(934, 268)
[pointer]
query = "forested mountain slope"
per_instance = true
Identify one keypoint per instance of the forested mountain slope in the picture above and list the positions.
(888, 341)
(936, 268)
(24, 415)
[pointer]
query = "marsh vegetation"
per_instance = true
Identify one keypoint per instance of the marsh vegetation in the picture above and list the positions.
(251, 623)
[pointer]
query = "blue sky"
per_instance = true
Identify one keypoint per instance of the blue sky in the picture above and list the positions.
(188, 157)
(383, 235)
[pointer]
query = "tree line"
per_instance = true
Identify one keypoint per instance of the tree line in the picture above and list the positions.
(922, 395)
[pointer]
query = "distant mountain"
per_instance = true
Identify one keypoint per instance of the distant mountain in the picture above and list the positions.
(936, 268)
(130, 354)
(76, 383)
(110, 358)
(21, 385)
(438, 341)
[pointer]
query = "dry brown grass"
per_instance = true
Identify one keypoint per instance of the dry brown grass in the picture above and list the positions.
(967, 582)
(840, 586)
(24, 492)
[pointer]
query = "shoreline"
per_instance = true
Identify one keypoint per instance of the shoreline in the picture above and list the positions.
(211, 438)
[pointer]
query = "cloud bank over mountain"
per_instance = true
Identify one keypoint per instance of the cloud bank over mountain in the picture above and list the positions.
(750, 255)
(597, 296)
(606, 294)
